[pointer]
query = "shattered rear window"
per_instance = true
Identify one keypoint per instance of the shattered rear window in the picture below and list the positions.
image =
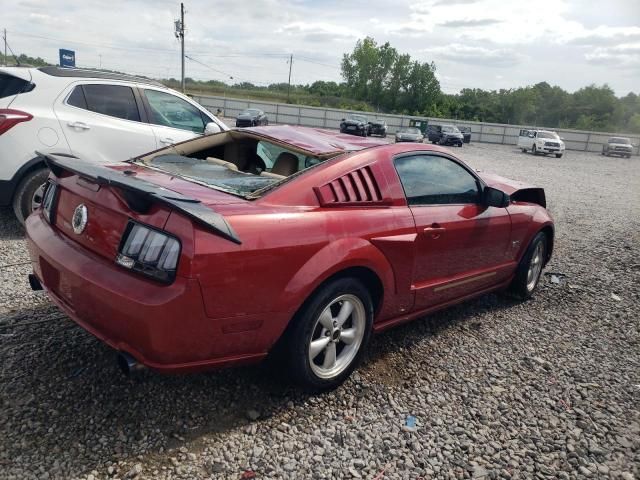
(217, 176)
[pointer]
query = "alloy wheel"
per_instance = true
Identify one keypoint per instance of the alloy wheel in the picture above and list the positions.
(336, 336)
(535, 267)
(36, 199)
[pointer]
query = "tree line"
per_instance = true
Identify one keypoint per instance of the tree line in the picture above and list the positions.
(378, 78)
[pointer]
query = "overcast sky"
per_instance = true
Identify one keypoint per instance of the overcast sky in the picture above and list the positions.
(488, 44)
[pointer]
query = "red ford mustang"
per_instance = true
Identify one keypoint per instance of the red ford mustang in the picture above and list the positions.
(221, 249)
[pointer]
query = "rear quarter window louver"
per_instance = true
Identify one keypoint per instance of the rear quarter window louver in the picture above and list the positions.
(358, 187)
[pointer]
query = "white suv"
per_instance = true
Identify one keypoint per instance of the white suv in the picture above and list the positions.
(89, 114)
(541, 141)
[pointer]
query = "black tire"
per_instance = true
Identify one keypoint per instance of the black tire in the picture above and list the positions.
(27, 193)
(298, 336)
(524, 150)
(534, 150)
(558, 155)
(521, 286)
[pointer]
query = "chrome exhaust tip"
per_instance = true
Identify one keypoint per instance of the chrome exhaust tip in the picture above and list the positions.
(34, 283)
(128, 364)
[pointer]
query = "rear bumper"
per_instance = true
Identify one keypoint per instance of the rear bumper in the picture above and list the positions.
(164, 327)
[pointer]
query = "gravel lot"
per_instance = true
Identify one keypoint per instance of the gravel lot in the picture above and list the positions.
(549, 388)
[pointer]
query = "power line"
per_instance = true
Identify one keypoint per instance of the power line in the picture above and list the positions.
(102, 45)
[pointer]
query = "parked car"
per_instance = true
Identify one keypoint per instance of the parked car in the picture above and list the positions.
(251, 117)
(198, 257)
(434, 133)
(355, 125)
(378, 127)
(410, 134)
(618, 146)
(96, 115)
(450, 135)
(466, 133)
(541, 141)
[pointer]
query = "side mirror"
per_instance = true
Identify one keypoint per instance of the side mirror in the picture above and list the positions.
(211, 127)
(492, 197)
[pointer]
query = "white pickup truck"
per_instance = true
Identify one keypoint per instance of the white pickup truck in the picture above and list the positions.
(541, 141)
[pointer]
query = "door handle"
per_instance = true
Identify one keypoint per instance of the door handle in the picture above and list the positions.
(80, 125)
(435, 230)
(168, 141)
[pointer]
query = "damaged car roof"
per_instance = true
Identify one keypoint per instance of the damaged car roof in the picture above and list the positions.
(315, 140)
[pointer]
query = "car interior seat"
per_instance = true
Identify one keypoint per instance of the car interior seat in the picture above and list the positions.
(286, 164)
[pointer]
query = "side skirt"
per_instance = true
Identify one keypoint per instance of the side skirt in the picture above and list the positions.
(392, 322)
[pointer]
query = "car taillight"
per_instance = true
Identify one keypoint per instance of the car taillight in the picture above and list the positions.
(150, 252)
(10, 118)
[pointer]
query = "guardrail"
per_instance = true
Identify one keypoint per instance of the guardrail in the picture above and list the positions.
(321, 117)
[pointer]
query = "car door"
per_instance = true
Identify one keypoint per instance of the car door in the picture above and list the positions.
(461, 245)
(172, 118)
(103, 121)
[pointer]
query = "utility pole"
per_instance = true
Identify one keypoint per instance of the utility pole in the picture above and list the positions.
(182, 38)
(100, 60)
(289, 87)
(5, 48)
(179, 32)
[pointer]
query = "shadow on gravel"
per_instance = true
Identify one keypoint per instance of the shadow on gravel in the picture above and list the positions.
(11, 228)
(81, 410)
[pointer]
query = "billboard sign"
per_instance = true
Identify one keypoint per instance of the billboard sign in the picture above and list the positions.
(67, 58)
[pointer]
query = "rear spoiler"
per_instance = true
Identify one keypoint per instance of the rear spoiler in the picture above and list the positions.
(139, 193)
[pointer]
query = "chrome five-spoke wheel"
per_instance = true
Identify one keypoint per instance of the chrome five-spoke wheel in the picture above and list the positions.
(336, 336)
(535, 266)
(329, 334)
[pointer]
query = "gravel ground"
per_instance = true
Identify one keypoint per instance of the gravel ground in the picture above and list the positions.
(549, 388)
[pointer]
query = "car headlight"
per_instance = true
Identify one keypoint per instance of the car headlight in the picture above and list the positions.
(149, 251)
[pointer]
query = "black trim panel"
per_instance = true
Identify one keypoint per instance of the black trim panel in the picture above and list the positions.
(88, 73)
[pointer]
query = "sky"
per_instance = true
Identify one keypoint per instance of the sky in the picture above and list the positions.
(488, 44)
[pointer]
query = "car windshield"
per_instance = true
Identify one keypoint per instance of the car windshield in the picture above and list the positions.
(550, 135)
(450, 129)
(624, 141)
(358, 118)
(251, 111)
(412, 131)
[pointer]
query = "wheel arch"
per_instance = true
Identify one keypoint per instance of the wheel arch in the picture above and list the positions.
(549, 232)
(34, 164)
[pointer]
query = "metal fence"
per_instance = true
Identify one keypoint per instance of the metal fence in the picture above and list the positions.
(283, 113)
